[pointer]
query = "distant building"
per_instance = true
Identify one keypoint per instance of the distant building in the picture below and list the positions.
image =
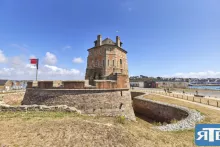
(8, 85)
(134, 84)
(172, 84)
(144, 84)
(150, 84)
(2, 84)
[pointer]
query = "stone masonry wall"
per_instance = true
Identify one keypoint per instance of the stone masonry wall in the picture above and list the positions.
(89, 101)
(164, 112)
(156, 111)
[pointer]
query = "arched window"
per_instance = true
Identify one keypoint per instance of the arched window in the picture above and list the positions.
(108, 62)
(113, 62)
(120, 61)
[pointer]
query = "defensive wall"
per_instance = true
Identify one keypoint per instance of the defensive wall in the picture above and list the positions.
(121, 82)
(107, 102)
(157, 111)
(162, 112)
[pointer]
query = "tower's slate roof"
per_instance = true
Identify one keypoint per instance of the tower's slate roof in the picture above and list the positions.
(108, 41)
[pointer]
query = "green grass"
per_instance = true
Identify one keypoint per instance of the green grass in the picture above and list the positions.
(157, 123)
(121, 119)
(173, 121)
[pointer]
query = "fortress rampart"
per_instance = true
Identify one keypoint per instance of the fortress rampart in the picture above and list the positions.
(106, 102)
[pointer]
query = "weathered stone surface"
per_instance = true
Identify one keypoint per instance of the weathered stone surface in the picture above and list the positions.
(64, 108)
(166, 112)
(157, 111)
(89, 101)
(12, 98)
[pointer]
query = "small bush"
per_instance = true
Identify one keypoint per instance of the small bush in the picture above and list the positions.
(173, 121)
(157, 123)
(164, 123)
(121, 119)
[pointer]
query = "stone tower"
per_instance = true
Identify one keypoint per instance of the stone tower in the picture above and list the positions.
(107, 60)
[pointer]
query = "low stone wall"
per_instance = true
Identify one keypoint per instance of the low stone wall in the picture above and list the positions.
(105, 84)
(56, 84)
(164, 112)
(45, 84)
(74, 84)
(135, 94)
(114, 102)
(25, 108)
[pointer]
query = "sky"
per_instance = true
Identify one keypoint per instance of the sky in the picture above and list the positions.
(172, 38)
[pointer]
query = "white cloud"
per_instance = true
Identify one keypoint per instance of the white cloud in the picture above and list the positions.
(78, 60)
(50, 59)
(3, 59)
(45, 72)
(19, 68)
(67, 47)
(204, 74)
(54, 70)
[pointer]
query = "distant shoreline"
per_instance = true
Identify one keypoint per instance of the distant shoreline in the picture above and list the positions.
(204, 84)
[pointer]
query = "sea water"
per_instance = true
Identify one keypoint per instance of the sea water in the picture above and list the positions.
(206, 87)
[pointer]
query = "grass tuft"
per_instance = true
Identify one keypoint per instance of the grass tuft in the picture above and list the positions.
(120, 119)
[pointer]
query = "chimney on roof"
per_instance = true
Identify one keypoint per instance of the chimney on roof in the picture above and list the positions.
(99, 40)
(118, 42)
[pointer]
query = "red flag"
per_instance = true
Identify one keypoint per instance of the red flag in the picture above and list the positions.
(34, 61)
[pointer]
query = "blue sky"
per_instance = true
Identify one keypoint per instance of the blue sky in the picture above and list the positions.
(163, 38)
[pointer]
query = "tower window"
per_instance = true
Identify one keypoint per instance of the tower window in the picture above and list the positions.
(92, 63)
(113, 63)
(120, 61)
(108, 62)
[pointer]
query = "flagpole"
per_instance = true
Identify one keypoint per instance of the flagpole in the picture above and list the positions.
(37, 69)
(36, 73)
